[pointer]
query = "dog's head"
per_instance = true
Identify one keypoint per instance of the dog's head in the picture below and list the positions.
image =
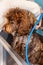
(19, 20)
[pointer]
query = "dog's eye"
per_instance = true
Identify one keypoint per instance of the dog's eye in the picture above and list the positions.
(12, 23)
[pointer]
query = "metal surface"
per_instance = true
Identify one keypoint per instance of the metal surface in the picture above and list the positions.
(1, 54)
(12, 53)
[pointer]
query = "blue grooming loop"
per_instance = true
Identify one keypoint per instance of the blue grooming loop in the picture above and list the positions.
(29, 37)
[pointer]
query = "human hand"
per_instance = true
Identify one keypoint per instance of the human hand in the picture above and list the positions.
(38, 26)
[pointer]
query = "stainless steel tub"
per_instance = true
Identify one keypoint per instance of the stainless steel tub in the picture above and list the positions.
(9, 56)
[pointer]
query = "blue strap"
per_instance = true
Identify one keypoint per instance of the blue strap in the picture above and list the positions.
(29, 37)
(40, 32)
